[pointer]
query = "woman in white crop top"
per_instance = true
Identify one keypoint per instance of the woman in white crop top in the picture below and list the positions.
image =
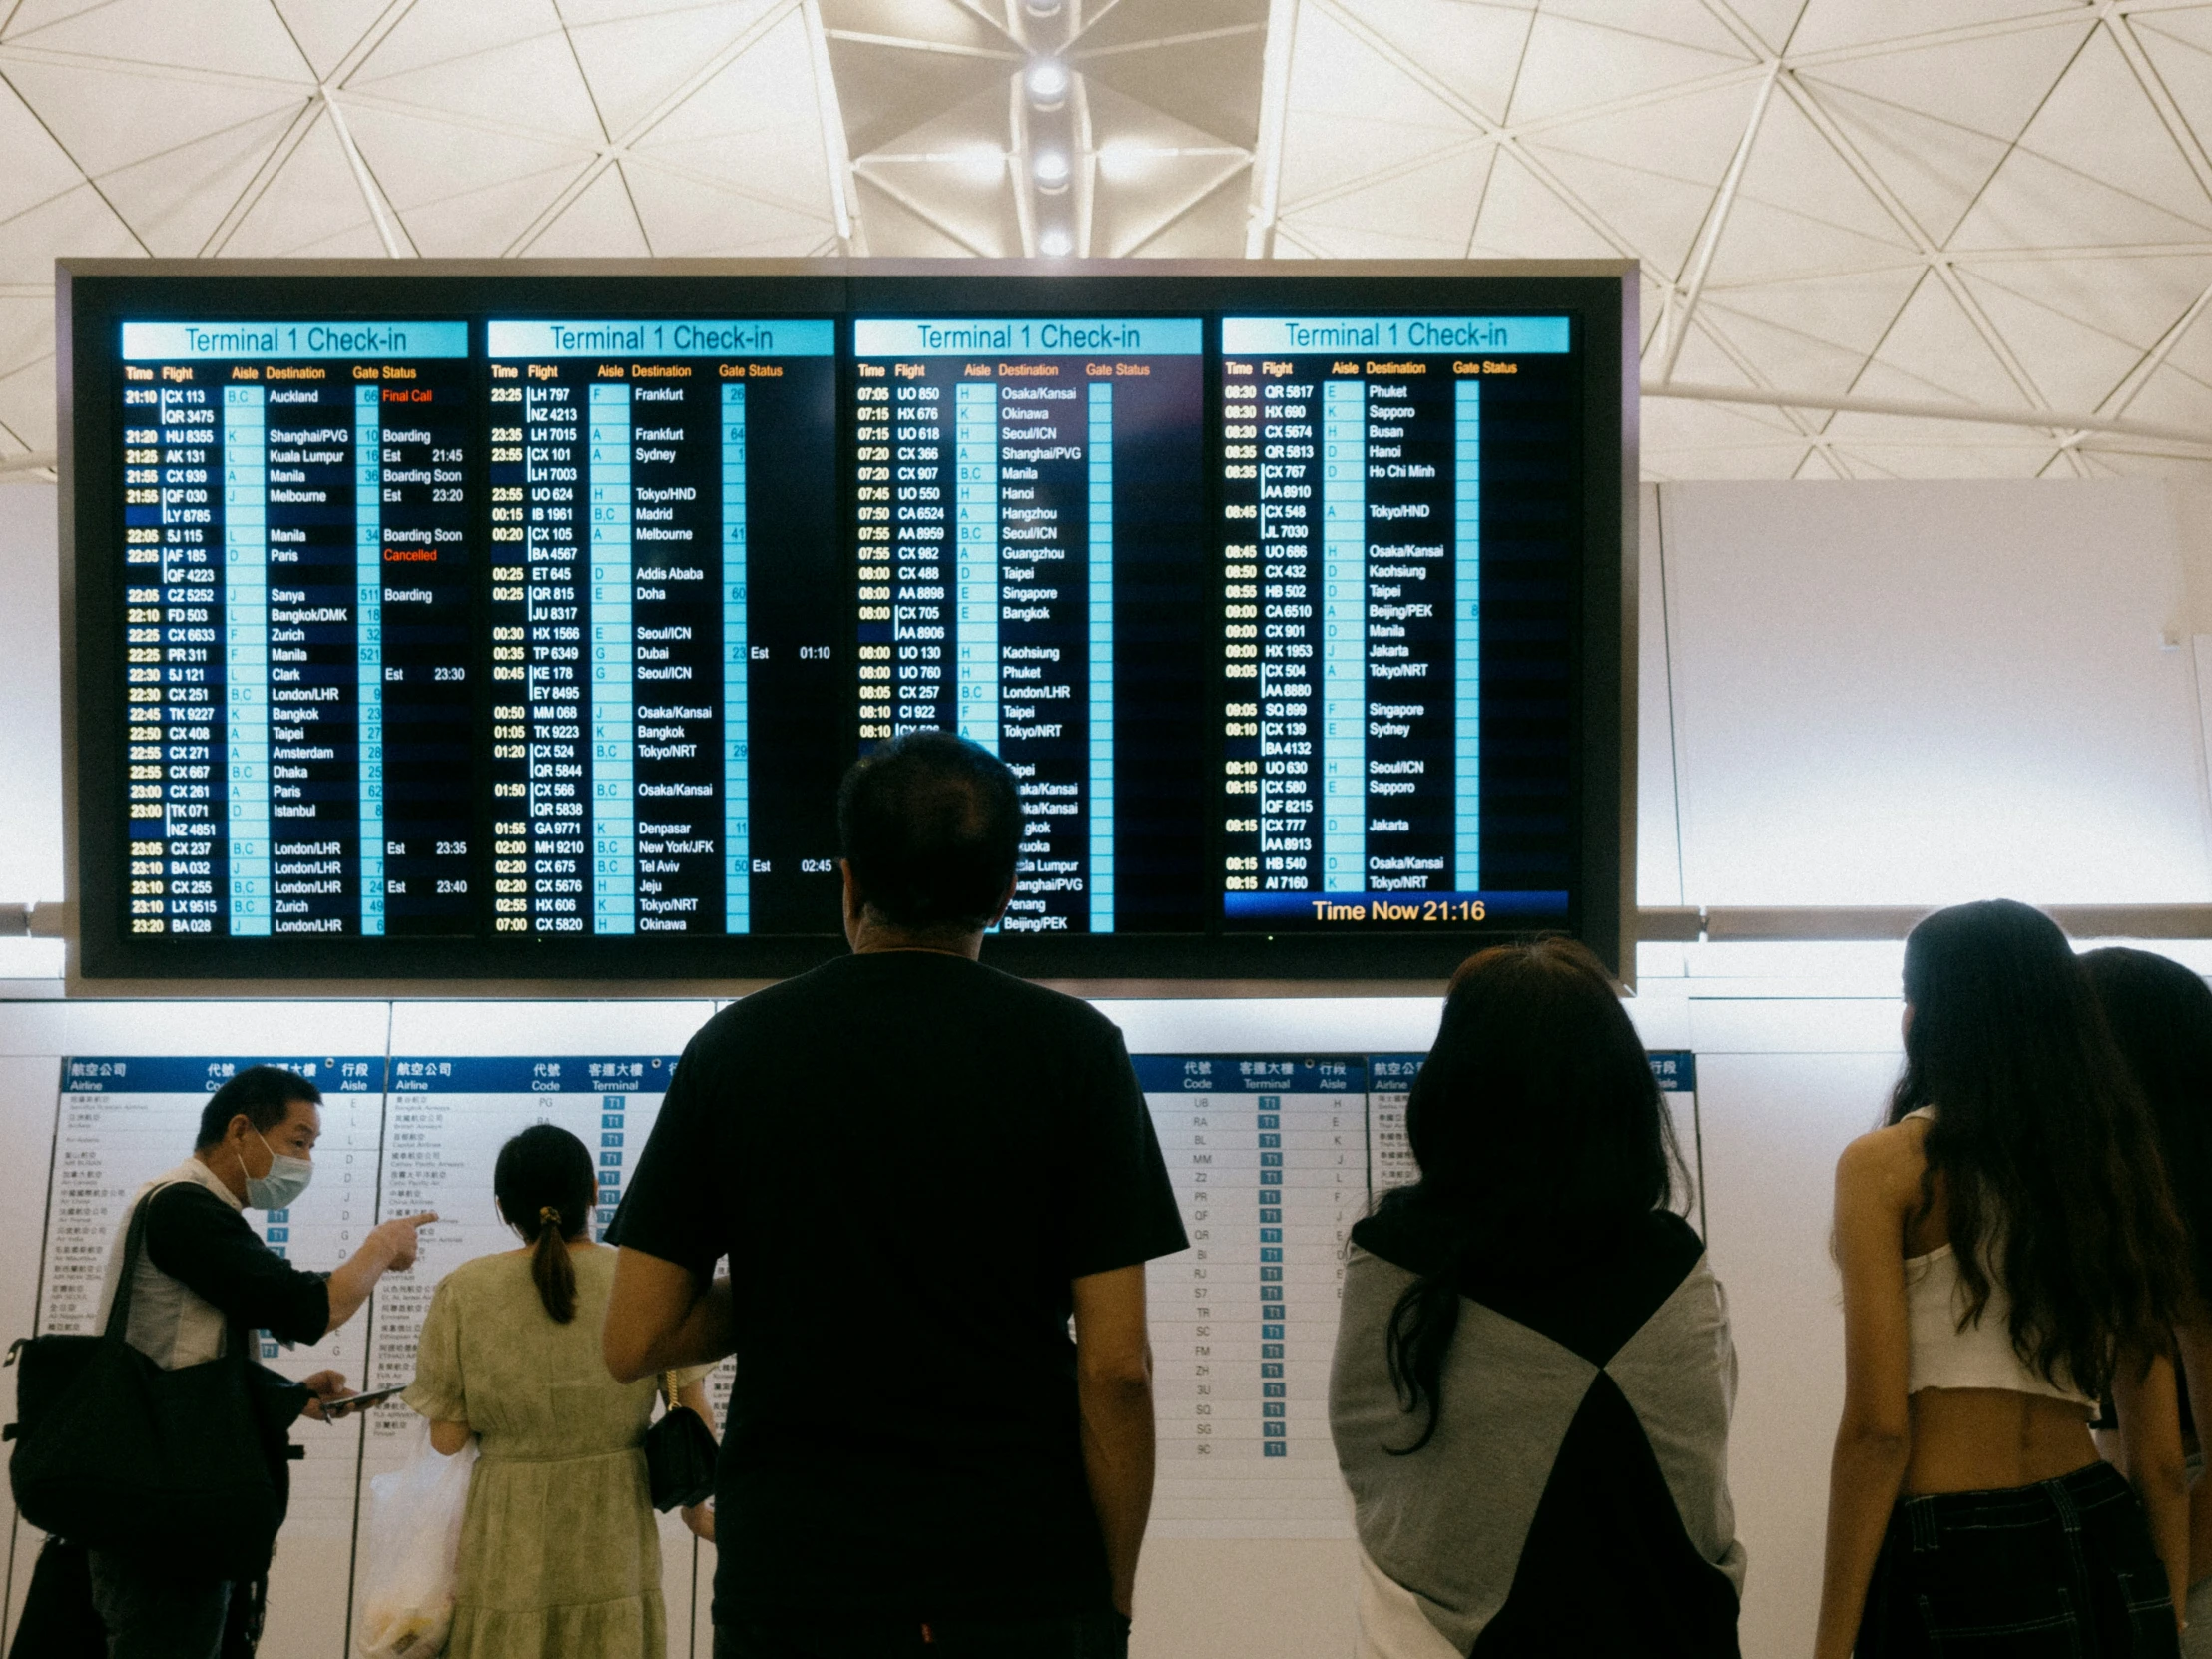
(2008, 1253)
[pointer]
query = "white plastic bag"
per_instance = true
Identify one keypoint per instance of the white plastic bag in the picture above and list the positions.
(414, 1546)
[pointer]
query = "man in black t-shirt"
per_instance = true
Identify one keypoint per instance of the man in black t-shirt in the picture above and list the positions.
(918, 1169)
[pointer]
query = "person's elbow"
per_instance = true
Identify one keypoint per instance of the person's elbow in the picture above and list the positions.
(1124, 1371)
(625, 1345)
(1878, 1438)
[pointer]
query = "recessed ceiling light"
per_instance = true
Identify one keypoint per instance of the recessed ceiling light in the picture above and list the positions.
(1051, 167)
(1048, 81)
(1056, 245)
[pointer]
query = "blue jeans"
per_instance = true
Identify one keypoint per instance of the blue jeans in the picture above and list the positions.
(2063, 1569)
(150, 1615)
(1071, 1636)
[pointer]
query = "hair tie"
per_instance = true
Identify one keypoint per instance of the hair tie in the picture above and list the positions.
(549, 1216)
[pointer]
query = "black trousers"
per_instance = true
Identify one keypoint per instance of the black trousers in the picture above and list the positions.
(2063, 1567)
(1103, 1636)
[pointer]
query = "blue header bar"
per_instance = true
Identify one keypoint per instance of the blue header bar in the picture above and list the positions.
(662, 337)
(203, 1074)
(1510, 335)
(1027, 337)
(171, 342)
(1251, 1074)
(533, 1074)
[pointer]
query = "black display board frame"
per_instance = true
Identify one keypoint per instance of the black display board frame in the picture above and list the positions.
(94, 295)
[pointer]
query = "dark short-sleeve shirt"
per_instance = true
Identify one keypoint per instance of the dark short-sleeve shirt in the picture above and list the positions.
(905, 1158)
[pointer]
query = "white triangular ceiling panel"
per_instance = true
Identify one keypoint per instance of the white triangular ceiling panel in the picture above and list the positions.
(636, 63)
(1934, 168)
(38, 167)
(2033, 202)
(1934, 350)
(1475, 50)
(237, 37)
(314, 205)
(493, 214)
(1431, 204)
(2075, 367)
(1829, 25)
(107, 117)
(328, 31)
(456, 59)
(76, 221)
(683, 219)
(1572, 65)
(2098, 121)
(175, 200)
(1522, 218)
(1990, 84)
(600, 224)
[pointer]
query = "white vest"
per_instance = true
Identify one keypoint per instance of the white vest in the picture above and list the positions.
(171, 1324)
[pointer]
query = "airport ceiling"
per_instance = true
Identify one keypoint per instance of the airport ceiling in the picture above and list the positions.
(1846, 209)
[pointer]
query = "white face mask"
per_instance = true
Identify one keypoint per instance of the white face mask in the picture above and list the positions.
(287, 1179)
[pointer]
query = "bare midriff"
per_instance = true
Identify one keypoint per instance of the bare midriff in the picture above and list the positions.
(1986, 1440)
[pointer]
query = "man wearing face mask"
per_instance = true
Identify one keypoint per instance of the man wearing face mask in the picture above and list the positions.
(205, 1281)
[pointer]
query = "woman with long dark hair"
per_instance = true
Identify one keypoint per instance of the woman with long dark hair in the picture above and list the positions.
(560, 1553)
(2009, 1254)
(1533, 1371)
(2161, 1017)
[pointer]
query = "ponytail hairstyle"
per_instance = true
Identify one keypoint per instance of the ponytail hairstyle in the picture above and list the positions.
(546, 1183)
(1534, 1120)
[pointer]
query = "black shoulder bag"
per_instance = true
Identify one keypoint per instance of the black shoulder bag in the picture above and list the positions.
(184, 1467)
(678, 1455)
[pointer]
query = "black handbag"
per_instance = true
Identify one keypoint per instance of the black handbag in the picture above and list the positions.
(184, 1467)
(678, 1455)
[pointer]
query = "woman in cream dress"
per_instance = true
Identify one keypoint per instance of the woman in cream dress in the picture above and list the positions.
(560, 1556)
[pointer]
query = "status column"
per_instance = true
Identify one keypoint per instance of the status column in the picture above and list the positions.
(1466, 614)
(246, 654)
(976, 417)
(369, 634)
(614, 847)
(1102, 657)
(1343, 691)
(737, 842)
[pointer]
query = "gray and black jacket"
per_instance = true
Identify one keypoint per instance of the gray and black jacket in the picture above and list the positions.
(1574, 1497)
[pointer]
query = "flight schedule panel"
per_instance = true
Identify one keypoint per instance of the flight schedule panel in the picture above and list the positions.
(1400, 505)
(298, 587)
(664, 616)
(1030, 521)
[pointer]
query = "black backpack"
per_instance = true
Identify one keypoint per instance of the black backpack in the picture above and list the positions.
(184, 1467)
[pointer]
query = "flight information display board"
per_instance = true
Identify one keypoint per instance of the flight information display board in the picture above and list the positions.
(655, 582)
(1030, 521)
(300, 608)
(457, 624)
(1356, 616)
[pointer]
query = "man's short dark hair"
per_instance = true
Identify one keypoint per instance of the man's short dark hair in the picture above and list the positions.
(263, 1093)
(931, 825)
